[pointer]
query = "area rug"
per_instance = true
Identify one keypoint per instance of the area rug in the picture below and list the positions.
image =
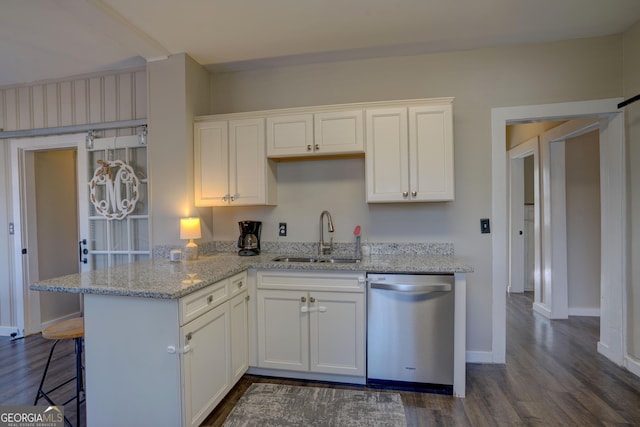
(271, 405)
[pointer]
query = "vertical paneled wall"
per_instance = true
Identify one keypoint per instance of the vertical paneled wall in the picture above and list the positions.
(77, 101)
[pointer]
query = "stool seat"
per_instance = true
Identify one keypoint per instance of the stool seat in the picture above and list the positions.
(65, 329)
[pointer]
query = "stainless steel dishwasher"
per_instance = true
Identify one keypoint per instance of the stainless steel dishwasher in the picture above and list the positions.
(410, 331)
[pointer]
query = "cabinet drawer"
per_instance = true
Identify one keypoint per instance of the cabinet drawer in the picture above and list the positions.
(308, 281)
(237, 284)
(202, 301)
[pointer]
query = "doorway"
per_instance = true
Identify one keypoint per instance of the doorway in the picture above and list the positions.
(567, 276)
(613, 217)
(47, 222)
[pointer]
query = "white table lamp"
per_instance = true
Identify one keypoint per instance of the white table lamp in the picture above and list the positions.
(189, 230)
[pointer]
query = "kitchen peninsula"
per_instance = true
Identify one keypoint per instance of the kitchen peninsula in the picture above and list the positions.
(150, 324)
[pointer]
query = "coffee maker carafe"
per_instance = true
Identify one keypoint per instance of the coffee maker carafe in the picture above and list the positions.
(249, 240)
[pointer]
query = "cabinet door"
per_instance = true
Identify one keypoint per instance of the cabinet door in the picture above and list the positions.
(387, 163)
(206, 363)
(337, 333)
(211, 163)
(247, 162)
(283, 336)
(290, 135)
(339, 132)
(431, 153)
(239, 307)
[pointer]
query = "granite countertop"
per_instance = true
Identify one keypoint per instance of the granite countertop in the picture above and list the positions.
(160, 278)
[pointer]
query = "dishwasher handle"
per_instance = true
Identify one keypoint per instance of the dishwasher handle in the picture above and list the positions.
(412, 287)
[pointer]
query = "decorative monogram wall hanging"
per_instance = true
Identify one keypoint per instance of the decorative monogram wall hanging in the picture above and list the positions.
(114, 189)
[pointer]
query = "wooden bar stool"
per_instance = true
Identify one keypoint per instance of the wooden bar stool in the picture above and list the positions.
(66, 329)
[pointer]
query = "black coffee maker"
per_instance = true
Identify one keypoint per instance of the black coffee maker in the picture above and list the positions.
(249, 240)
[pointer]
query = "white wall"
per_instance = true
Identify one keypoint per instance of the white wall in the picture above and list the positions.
(631, 84)
(582, 179)
(479, 80)
(57, 227)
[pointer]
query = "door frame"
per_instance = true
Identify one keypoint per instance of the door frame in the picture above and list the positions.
(555, 301)
(612, 343)
(516, 215)
(25, 302)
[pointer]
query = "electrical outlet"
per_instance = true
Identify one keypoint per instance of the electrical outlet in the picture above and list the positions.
(485, 227)
(282, 229)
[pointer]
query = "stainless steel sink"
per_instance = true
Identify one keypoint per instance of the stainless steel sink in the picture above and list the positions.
(312, 259)
(294, 259)
(341, 260)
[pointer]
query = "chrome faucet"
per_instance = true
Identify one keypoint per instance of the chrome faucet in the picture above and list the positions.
(323, 248)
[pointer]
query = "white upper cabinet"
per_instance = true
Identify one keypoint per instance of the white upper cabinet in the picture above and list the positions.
(230, 163)
(211, 163)
(319, 133)
(409, 149)
(339, 132)
(289, 135)
(410, 153)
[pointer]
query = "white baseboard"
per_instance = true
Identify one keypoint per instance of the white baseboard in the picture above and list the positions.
(6, 331)
(479, 357)
(541, 309)
(633, 365)
(584, 311)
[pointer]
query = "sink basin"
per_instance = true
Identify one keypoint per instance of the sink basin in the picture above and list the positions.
(340, 260)
(294, 259)
(312, 259)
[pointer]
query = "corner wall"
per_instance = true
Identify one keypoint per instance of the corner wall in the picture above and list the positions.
(178, 91)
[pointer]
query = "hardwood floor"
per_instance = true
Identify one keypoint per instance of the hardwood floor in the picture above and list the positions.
(553, 377)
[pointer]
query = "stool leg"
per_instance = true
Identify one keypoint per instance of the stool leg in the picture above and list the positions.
(44, 375)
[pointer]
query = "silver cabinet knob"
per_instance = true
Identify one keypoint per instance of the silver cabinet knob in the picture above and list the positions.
(189, 336)
(312, 300)
(309, 147)
(405, 194)
(414, 193)
(317, 147)
(209, 299)
(303, 299)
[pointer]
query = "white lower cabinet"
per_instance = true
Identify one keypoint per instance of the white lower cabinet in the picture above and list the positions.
(311, 322)
(164, 362)
(239, 314)
(206, 366)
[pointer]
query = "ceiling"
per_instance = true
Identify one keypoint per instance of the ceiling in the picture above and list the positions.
(44, 39)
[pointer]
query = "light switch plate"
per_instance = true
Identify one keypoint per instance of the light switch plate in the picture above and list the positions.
(485, 226)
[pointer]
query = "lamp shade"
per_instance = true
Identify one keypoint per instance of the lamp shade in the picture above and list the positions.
(190, 228)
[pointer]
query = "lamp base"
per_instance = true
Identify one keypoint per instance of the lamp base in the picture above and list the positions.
(191, 251)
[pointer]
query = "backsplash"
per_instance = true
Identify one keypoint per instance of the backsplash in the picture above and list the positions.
(311, 248)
